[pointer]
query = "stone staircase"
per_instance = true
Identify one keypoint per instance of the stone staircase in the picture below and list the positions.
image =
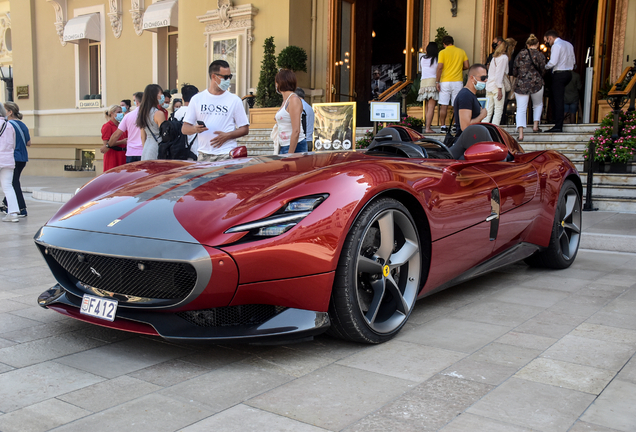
(611, 192)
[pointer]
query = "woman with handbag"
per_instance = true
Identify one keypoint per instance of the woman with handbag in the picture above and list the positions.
(116, 155)
(529, 69)
(149, 119)
(497, 84)
(428, 93)
(21, 156)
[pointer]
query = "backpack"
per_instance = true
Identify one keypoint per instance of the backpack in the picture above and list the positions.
(174, 144)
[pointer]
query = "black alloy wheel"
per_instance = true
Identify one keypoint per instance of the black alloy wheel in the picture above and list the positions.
(378, 275)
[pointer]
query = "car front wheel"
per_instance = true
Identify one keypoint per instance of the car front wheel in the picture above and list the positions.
(378, 275)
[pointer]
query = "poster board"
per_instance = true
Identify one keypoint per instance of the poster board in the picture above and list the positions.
(334, 126)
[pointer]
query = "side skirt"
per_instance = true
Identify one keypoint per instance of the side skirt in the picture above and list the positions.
(509, 256)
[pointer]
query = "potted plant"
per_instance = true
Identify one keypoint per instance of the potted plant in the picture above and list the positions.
(267, 100)
(614, 156)
(294, 58)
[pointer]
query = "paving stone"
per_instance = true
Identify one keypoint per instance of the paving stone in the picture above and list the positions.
(487, 373)
(456, 335)
(591, 352)
(332, 397)
(7, 305)
(534, 405)
(621, 306)
(287, 361)
(41, 417)
(216, 357)
(628, 373)
(568, 375)
(550, 324)
(605, 333)
(405, 360)
(573, 282)
(525, 340)
(44, 330)
(222, 388)
(613, 320)
(531, 297)
(10, 322)
(54, 347)
(473, 423)
(5, 368)
(242, 418)
(327, 346)
(505, 355)
(26, 386)
(580, 426)
(614, 408)
(579, 305)
(496, 312)
(4, 343)
(123, 357)
(452, 389)
(169, 373)
(150, 413)
(107, 394)
(425, 312)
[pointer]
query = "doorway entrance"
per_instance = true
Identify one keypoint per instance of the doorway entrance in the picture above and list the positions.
(587, 24)
(368, 36)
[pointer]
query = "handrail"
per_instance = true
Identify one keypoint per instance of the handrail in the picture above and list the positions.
(392, 91)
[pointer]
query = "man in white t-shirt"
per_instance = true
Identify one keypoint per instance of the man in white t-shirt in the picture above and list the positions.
(224, 119)
(187, 92)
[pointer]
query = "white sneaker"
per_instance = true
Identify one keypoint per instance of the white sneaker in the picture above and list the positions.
(11, 217)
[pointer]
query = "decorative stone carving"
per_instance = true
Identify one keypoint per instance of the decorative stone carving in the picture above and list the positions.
(60, 18)
(137, 12)
(116, 17)
(5, 49)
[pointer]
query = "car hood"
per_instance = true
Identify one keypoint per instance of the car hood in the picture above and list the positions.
(198, 202)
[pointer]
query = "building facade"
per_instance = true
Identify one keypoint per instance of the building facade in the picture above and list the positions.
(71, 59)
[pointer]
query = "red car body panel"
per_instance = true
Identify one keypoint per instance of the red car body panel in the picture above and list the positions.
(196, 203)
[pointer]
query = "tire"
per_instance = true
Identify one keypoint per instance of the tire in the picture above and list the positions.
(566, 232)
(378, 275)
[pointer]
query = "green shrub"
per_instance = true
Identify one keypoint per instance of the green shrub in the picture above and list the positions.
(266, 96)
(294, 58)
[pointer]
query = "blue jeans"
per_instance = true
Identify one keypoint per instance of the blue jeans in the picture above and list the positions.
(301, 147)
(130, 159)
(572, 108)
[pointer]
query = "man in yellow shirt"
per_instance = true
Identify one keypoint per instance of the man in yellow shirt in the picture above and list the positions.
(451, 63)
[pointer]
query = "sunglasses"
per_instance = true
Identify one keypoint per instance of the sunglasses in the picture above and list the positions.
(482, 77)
(225, 77)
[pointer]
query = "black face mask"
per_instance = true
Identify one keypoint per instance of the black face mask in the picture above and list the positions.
(494, 45)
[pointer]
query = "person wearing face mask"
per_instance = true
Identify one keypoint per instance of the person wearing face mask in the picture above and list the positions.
(125, 106)
(495, 43)
(129, 126)
(467, 109)
(149, 119)
(221, 112)
(562, 62)
(167, 97)
(114, 155)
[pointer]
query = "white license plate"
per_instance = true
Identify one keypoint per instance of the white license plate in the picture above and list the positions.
(99, 307)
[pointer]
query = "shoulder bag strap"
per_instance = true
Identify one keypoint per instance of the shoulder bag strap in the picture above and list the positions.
(4, 126)
(17, 127)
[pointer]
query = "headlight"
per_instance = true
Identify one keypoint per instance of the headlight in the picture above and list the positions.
(283, 220)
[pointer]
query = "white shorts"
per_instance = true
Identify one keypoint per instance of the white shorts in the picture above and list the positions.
(448, 92)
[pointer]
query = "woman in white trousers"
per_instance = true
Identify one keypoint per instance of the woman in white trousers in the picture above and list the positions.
(7, 164)
(529, 68)
(495, 91)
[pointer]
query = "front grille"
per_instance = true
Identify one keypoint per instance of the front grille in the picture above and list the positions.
(131, 277)
(231, 315)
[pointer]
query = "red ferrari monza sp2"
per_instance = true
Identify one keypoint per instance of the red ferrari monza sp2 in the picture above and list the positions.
(290, 246)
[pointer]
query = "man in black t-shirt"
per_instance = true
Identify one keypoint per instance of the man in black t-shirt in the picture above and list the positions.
(466, 107)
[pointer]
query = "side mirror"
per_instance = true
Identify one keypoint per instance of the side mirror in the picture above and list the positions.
(486, 152)
(238, 152)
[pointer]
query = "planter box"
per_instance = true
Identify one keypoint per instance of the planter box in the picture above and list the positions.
(603, 110)
(263, 118)
(418, 112)
(613, 168)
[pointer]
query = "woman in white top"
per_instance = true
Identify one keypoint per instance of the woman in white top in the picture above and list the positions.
(7, 165)
(290, 134)
(428, 89)
(149, 119)
(495, 91)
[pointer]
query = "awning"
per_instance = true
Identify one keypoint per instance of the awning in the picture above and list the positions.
(161, 14)
(82, 27)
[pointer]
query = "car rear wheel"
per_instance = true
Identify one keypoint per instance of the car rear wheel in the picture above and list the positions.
(378, 275)
(566, 232)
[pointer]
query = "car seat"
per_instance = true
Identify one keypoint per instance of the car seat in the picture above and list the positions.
(472, 135)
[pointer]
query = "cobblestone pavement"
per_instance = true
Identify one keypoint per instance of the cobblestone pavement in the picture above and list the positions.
(517, 350)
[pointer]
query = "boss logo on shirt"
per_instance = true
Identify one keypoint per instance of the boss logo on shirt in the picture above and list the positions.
(214, 109)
